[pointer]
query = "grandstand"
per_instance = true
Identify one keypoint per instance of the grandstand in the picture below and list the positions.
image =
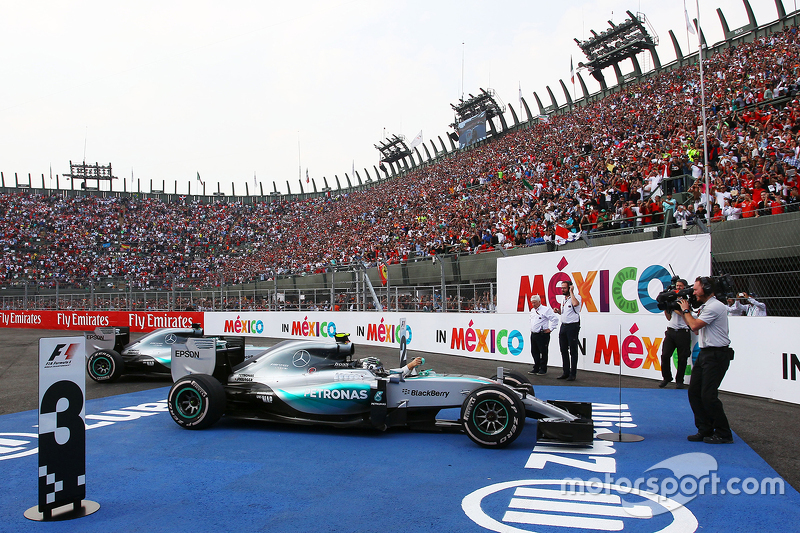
(597, 171)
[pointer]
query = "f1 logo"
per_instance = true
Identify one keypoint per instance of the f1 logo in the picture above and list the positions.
(65, 350)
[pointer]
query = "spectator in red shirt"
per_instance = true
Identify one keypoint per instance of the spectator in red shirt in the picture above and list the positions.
(776, 204)
(644, 216)
(748, 206)
(716, 213)
(758, 191)
(593, 219)
(654, 208)
(629, 216)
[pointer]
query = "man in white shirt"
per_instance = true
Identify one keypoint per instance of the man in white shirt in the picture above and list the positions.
(747, 306)
(682, 216)
(697, 170)
(735, 308)
(543, 321)
(720, 195)
(568, 332)
(731, 212)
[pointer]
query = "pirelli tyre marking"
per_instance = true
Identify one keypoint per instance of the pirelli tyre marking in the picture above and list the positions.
(196, 401)
(493, 416)
(189, 401)
(105, 366)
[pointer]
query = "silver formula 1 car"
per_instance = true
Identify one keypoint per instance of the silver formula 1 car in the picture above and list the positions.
(314, 382)
(110, 354)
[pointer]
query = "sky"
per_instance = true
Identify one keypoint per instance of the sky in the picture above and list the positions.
(261, 92)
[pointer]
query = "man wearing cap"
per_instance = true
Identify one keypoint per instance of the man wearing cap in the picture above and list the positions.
(543, 321)
(793, 201)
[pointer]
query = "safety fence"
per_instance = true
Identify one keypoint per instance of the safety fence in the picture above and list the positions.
(762, 257)
(355, 296)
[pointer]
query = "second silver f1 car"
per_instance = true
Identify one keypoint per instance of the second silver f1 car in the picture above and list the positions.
(110, 354)
(314, 382)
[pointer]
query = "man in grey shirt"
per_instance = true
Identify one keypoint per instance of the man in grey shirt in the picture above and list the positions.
(711, 325)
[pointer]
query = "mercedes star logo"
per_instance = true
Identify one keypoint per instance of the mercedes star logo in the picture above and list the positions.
(171, 338)
(301, 358)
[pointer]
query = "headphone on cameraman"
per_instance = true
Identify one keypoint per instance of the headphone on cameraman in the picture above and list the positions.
(708, 285)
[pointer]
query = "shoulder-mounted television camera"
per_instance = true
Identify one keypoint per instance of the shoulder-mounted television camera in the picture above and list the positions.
(667, 300)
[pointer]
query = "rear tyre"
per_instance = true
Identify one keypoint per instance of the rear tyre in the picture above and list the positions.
(493, 416)
(515, 380)
(196, 401)
(105, 366)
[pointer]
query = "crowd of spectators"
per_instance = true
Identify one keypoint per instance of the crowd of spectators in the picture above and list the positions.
(597, 167)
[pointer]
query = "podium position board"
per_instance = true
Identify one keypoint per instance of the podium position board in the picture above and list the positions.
(62, 433)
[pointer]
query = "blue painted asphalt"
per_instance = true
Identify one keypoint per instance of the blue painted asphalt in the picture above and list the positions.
(150, 475)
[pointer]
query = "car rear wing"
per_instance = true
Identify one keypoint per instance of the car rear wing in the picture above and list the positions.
(107, 338)
(208, 355)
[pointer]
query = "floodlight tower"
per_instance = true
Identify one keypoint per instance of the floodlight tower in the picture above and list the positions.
(619, 42)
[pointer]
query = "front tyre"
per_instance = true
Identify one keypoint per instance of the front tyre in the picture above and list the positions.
(196, 401)
(105, 366)
(493, 416)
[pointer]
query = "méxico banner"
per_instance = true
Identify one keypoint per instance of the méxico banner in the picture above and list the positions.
(765, 365)
(623, 279)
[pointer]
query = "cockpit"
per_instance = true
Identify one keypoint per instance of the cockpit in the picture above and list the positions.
(298, 356)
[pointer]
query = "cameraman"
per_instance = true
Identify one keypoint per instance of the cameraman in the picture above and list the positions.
(677, 337)
(711, 324)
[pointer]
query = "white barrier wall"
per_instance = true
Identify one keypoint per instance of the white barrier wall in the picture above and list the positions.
(766, 362)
